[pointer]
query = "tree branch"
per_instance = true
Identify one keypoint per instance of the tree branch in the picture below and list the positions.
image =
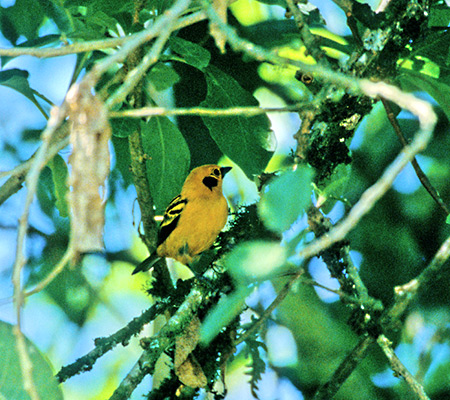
(399, 369)
(419, 172)
(203, 111)
(105, 344)
(108, 43)
(158, 344)
(347, 366)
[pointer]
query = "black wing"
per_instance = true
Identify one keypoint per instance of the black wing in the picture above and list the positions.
(171, 217)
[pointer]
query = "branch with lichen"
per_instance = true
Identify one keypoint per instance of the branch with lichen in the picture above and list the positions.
(105, 344)
(399, 369)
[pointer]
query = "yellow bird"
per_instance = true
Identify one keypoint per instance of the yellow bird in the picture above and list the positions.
(193, 219)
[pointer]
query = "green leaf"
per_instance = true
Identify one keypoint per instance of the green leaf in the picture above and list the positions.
(411, 80)
(192, 53)
(168, 159)
(245, 140)
(59, 174)
(17, 79)
(162, 76)
(57, 14)
(225, 311)
(286, 198)
(439, 16)
(23, 18)
(123, 160)
(255, 261)
(124, 127)
(334, 187)
(11, 385)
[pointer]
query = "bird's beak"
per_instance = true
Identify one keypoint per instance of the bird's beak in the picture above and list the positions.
(224, 170)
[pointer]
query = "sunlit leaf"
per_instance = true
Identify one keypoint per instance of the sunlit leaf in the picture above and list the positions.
(168, 159)
(334, 187)
(255, 261)
(248, 141)
(286, 198)
(223, 314)
(11, 385)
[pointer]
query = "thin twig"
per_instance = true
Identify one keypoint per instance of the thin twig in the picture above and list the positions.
(427, 119)
(164, 25)
(399, 369)
(419, 172)
(140, 38)
(26, 365)
(39, 161)
(18, 174)
(158, 344)
(202, 111)
(82, 47)
(68, 255)
(347, 366)
(105, 344)
(268, 311)
(310, 41)
(405, 294)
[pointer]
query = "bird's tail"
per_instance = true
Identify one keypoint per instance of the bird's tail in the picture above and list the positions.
(147, 264)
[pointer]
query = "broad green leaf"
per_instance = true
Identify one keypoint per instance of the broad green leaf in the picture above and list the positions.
(23, 18)
(123, 160)
(439, 16)
(221, 315)
(168, 159)
(101, 19)
(17, 79)
(162, 76)
(124, 127)
(59, 174)
(246, 140)
(11, 385)
(411, 80)
(255, 261)
(286, 198)
(57, 14)
(192, 53)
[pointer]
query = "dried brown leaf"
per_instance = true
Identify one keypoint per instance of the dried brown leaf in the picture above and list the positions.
(90, 160)
(187, 368)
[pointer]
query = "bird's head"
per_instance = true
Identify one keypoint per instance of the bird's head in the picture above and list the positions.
(206, 178)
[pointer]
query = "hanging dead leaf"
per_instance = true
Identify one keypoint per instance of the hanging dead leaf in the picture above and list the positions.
(90, 160)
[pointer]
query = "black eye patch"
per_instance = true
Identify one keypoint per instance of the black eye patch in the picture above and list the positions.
(210, 182)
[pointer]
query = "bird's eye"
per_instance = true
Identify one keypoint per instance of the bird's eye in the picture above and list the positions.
(216, 172)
